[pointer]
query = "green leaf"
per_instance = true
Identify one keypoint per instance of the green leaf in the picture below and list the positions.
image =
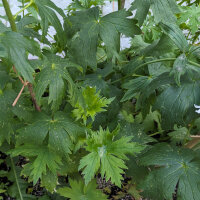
(43, 159)
(134, 86)
(190, 17)
(48, 12)
(108, 155)
(164, 10)
(91, 104)
(136, 131)
(176, 104)
(49, 181)
(175, 33)
(175, 168)
(151, 119)
(83, 44)
(61, 131)
(179, 135)
(142, 7)
(16, 46)
(53, 75)
(79, 191)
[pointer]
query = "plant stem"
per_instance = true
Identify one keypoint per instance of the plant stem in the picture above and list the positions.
(15, 174)
(159, 132)
(119, 4)
(22, 10)
(9, 15)
(194, 63)
(14, 28)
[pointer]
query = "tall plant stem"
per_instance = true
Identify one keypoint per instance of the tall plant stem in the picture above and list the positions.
(15, 174)
(119, 4)
(9, 15)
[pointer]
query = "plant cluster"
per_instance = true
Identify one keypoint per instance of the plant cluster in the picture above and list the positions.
(84, 108)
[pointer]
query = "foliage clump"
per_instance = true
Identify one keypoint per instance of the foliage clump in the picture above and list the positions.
(84, 108)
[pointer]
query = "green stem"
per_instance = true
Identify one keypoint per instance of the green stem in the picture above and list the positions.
(15, 174)
(119, 4)
(9, 15)
(22, 10)
(159, 132)
(193, 63)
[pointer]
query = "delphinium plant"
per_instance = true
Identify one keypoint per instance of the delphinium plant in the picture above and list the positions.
(80, 116)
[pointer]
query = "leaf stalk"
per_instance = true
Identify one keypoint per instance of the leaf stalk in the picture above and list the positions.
(22, 10)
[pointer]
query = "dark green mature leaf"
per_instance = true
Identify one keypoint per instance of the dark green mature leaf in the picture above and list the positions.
(175, 33)
(16, 46)
(61, 131)
(6, 116)
(176, 104)
(142, 7)
(136, 131)
(179, 135)
(44, 159)
(53, 75)
(3, 28)
(164, 10)
(48, 15)
(108, 155)
(79, 191)
(84, 43)
(176, 168)
(24, 26)
(134, 86)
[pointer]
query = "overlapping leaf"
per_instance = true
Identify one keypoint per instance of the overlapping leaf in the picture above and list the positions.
(175, 168)
(176, 104)
(48, 12)
(44, 159)
(16, 46)
(61, 131)
(90, 26)
(53, 75)
(79, 191)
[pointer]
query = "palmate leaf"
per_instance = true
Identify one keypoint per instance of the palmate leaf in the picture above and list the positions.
(61, 131)
(176, 104)
(88, 26)
(108, 155)
(79, 191)
(175, 168)
(48, 12)
(43, 159)
(16, 46)
(89, 103)
(190, 16)
(53, 75)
